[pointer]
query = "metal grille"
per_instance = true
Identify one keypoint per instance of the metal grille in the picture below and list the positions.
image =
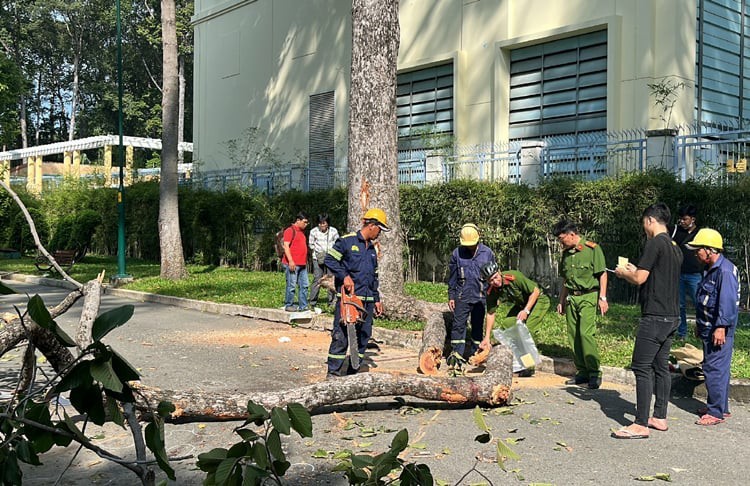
(321, 151)
(559, 87)
(424, 106)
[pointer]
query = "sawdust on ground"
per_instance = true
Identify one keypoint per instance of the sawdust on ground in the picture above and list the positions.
(386, 359)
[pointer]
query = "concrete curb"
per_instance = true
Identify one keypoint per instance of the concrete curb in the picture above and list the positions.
(739, 388)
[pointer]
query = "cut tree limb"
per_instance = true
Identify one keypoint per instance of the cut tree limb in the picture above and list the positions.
(491, 388)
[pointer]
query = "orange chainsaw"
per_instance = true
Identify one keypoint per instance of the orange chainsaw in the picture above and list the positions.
(352, 312)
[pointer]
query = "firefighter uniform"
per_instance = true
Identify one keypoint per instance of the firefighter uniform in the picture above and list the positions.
(352, 255)
(581, 266)
(516, 290)
(467, 289)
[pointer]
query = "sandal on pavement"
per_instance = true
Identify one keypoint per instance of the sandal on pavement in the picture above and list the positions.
(704, 410)
(625, 433)
(708, 420)
(658, 424)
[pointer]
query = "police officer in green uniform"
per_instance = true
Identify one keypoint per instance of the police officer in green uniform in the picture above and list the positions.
(584, 288)
(512, 286)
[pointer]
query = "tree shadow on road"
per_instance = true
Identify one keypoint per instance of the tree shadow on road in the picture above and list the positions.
(610, 402)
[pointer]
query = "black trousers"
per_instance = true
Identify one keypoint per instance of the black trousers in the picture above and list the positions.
(651, 365)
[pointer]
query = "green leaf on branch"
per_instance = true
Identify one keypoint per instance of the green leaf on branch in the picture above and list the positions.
(209, 461)
(280, 420)
(256, 413)
(274, 445)
(5, 290)
(479, 419)
(416, 475)
(104, 373)
(300, 418)
(110, 320)
(165, 409)
(154, 434)
(504, 452)
(39, 313)
(125, 371)
(224, 469)
(80, 375)
(247, 435)
(88, 400)
(400, 441)
(260, 455)
(114, 412)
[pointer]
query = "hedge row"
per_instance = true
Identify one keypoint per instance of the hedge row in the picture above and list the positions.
(236, 227)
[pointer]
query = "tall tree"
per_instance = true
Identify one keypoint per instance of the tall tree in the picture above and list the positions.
(172, 258)
(373, 156)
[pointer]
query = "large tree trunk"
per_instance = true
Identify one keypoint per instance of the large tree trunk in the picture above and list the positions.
(491, 388)
(373, 165)
(170, 241)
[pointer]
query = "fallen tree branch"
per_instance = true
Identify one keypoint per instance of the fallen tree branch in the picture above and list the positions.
(491, 388)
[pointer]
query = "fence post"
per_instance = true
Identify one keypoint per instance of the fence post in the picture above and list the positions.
(30, 169)
(660, 149)
(530, 163)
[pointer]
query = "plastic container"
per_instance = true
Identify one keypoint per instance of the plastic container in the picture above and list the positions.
(519, 340)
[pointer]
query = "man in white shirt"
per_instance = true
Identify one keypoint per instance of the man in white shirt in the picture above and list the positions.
(322, 238)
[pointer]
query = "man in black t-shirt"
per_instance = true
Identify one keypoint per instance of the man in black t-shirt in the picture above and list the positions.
(692, 270)
(658, 274)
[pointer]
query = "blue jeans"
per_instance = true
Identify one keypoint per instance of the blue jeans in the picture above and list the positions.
(299, 276)
(688, 286)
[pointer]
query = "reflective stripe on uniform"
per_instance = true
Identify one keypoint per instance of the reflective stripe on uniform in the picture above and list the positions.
(335, 254)
(337, 356)
(364, 299)
(458, 341)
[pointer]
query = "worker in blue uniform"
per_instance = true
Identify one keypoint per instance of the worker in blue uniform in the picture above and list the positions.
(716, 311)
(467, 293)
(353, 260)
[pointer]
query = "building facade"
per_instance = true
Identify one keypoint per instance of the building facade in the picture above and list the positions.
(272, 76)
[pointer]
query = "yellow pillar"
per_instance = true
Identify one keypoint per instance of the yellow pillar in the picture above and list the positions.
(128, 165)
(107, 165)
(30, 169)
(5, 169)
(38, 174)
(76, 172)
(67, 159)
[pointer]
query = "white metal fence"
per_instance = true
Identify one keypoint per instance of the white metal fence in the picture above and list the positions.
(700, 151)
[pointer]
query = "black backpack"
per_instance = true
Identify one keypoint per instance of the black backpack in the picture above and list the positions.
(279, 242)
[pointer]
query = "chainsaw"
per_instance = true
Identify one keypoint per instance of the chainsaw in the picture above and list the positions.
(352, 312)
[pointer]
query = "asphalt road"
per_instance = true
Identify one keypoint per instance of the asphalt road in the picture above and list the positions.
(561, 433)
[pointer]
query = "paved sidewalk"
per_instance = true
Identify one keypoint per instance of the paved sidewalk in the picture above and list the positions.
(560, 432)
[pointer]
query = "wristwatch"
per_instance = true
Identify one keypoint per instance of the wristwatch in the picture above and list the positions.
(603, 298)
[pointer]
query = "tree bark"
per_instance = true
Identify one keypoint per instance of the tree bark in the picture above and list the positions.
(93, 297)
(491, 388)
(170, 240)
(373, 158)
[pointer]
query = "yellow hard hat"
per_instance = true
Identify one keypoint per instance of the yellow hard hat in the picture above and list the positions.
(378, 216)
(707, 237)
(469, 235)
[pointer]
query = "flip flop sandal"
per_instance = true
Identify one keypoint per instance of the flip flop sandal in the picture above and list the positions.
(709, 420)
(704, 410)
(624, 433)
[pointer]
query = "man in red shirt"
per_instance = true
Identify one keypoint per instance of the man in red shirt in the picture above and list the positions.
(295, 263)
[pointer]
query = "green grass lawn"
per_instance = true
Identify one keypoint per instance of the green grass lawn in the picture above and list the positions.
(616, 330)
